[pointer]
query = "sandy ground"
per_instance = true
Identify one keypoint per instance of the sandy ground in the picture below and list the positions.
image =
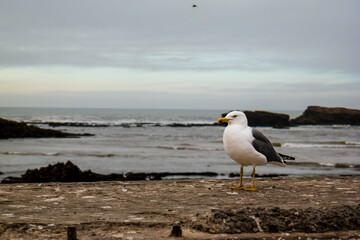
(149, 209)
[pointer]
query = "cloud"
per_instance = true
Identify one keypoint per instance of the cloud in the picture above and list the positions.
(161, 35)
(222, 54)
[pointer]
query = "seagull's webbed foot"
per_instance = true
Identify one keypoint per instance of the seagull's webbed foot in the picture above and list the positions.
(250, 189)
(240, 187)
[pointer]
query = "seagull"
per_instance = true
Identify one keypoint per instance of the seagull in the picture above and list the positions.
(248, 146)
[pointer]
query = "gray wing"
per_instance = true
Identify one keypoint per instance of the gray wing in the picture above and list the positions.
(264, 146)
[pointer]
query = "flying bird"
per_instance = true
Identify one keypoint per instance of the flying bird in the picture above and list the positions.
(248, 146)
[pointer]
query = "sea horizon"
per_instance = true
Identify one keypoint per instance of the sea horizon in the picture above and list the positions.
(292, 113)
(133, 140)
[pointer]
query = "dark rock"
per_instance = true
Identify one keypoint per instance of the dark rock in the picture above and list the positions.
(69, 172)
(176, 231)
(316, 115)
(59, 172)
(136, 176)
(266, 119)
(263, 118)
(12, 180)
(309, 220)
(75, 124)
(13, 129)
(71, 233)
(270, 175)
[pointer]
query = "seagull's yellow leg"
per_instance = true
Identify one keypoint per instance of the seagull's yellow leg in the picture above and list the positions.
(241, 177)
(252, 188)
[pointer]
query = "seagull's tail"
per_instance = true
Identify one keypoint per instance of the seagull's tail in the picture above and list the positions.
(286, 157)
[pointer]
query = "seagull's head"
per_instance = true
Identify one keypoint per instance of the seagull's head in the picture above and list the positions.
(234, 117)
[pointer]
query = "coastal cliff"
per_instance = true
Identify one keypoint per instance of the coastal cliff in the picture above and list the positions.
(317, 115)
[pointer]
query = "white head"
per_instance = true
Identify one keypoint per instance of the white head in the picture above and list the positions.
(235, 117)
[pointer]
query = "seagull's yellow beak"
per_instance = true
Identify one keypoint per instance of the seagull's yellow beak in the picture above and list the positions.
(223, 120)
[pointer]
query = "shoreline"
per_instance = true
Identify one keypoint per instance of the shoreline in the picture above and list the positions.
(69, 172)
(149, 209)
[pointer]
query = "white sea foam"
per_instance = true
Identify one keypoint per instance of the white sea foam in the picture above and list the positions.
(322, 145)
(189, 148)
(31, 153)
(80, 154)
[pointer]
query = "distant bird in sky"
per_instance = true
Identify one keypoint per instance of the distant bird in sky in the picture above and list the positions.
(248, 146)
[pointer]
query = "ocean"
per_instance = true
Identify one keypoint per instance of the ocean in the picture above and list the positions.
(134, 140)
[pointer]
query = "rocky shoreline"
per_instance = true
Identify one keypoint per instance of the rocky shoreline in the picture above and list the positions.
(308, 220)
(13, 129)
(69, 172)
(316, 115)
(313, 115)
(282, 208)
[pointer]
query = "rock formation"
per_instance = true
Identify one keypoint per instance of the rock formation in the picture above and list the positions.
(266, 119)
(13, 129)
(69, 172)
(316, 115)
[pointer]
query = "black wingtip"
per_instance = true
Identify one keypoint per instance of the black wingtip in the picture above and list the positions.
(286, 157)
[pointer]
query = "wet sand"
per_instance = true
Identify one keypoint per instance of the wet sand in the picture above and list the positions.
(149, 209)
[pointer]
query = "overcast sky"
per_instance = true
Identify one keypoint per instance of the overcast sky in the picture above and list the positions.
(223, 54)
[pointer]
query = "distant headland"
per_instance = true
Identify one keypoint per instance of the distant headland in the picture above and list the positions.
(13, 129)
(313, 115)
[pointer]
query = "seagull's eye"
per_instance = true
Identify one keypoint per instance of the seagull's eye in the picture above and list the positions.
(235, 116)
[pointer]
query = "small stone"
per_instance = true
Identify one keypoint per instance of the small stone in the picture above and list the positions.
(71, 233)
(176, 231)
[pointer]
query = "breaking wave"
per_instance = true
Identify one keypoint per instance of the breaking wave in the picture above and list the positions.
(31, 153)
(331, 144)
(124, 123)
(329, 165)
(80, 154)
(189, 148)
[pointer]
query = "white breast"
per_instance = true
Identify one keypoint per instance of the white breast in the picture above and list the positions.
(238, 145)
